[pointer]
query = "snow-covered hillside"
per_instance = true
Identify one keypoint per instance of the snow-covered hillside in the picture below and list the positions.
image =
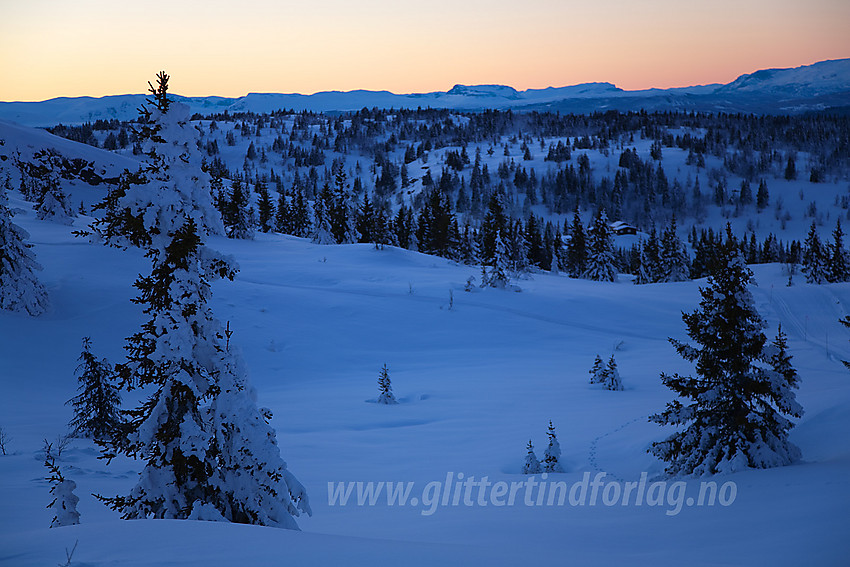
(477, 373)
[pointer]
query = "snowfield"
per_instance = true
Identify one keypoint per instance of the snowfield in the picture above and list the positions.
(477, 375)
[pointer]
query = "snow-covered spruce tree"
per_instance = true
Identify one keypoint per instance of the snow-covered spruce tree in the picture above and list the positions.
(576, 249)
(20, 289)
(342, 215)
(97, 412)
(497, 276)
(600, 251)
(5, 438)
(732, 410)
(322, 232)
(171, 184)
(208, 453)
(612, 376)
(385, 387)
(265, 207)
(815, 262)
(552, 454)
(52, 204)
(674, 265)
(597, 372)
(238, 215)
(495, 223)
(382, 234)
(838, 268)
(64, 504)
(300, 214)
(780, 362)
(40, 182)
(531, 465)
(646, 270)
(283, 216)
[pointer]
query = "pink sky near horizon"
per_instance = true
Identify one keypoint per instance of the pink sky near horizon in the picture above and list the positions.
(51, 48)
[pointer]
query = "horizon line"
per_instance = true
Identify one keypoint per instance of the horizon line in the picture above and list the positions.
(367, 90)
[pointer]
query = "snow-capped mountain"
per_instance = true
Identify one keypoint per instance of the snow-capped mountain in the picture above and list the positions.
(820, 86)
(823, 78)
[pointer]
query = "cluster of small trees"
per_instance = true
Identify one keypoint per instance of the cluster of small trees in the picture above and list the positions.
(606, 374)
(825, 262)
(551, 456)
(663, 260)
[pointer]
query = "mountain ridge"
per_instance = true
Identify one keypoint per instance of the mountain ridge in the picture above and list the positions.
(816, 87)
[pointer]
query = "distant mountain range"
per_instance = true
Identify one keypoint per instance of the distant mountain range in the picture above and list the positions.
(823, 86)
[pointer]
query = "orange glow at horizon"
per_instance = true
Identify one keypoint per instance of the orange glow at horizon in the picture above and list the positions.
(96, 47)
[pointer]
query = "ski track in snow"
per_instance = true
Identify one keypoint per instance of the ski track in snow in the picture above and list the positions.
(785, 313)
(441, 301)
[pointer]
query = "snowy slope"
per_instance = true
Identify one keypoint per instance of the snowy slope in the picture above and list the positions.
(475, 383)
(20, 142)
(30, 140)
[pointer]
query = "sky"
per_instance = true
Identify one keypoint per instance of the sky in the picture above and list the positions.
(52, 48)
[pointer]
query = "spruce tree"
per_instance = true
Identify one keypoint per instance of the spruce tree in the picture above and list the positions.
(597, 372)
(495, 224)
(52, 204)
(300, 212)
(208, 453)
(382, 233)
(342, 219)
(762, 195)
(497, 276)
(531, 465)
(322, 228)
(650, 268)
(366, 220)
(265, 208)
(169, 186)
(552, 455)
(673, 264)
(239, 216)
(385, 387)
(733, 408)
(283, 216)
(64, 503)
(814, 261)
(97, 412)
(791, 169)
(576, 248)
(40, 182)
(780, 362)
(644, 269)
(612, 376)
(20, 289)
(600, 251)
(838, 268)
